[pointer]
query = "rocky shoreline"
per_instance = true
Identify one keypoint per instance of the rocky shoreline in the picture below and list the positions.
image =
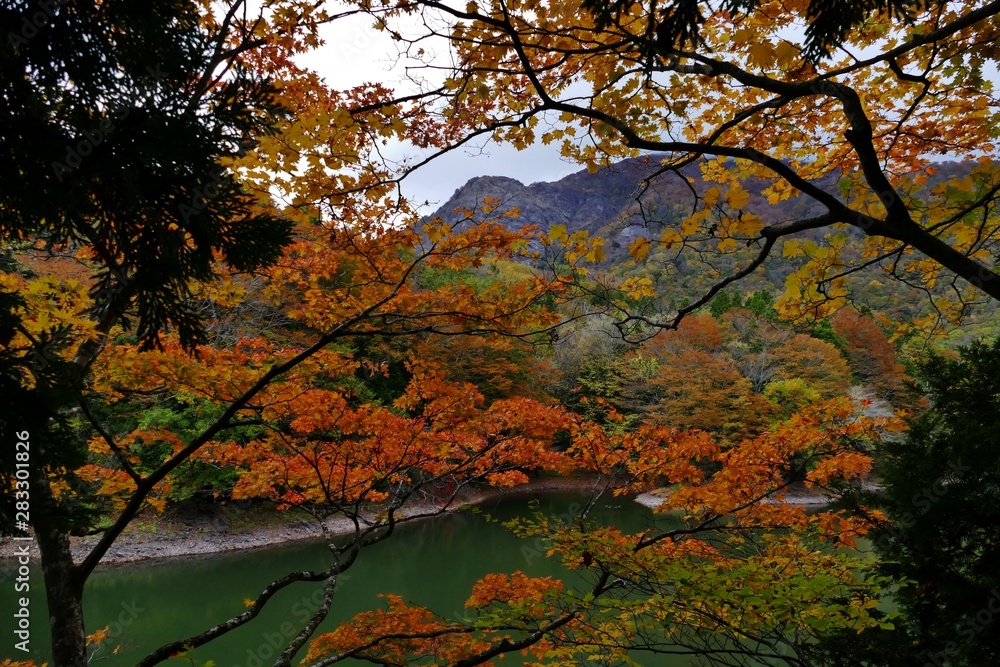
(798, 495)
(229, 528)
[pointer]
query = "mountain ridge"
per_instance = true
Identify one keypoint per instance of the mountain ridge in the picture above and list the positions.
(604, 202)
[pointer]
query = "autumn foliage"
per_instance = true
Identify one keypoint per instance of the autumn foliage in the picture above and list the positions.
(871, 355)
(297, 424)
(359, 360)
(706, 583)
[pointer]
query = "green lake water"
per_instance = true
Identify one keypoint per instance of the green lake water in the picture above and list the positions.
(433, 563)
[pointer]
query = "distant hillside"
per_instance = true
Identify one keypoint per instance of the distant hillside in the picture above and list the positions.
(580, 201)
(605, 204)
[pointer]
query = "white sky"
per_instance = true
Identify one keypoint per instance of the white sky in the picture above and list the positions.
(354, 53)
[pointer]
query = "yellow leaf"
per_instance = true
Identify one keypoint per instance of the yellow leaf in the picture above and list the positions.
(639, 249)
(638, 288)
(792, 249)
(159, 504)
(737, 197)
(595, 255)
(558, 233)
(787, 52)
(762, 54)
(434, 232)
(669, 237)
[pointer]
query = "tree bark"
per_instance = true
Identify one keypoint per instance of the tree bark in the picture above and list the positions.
(63, 587)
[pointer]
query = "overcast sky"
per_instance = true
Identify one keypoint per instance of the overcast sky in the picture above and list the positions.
(356, 53)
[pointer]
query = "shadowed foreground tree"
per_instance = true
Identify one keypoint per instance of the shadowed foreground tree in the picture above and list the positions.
(118, 119)
(941, 533)
(125, 163)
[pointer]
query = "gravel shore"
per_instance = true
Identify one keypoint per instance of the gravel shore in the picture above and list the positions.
(234, 527)
(798, 495)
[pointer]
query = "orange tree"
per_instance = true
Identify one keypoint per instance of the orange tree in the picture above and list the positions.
(854, 136)
(283, 414)
(279, 407)
(743, 579)
(285, 418)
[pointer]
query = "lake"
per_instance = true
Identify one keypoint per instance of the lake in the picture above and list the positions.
(432, 562)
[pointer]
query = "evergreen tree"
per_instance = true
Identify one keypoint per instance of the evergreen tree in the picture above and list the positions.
(115, 118)
(942, 542)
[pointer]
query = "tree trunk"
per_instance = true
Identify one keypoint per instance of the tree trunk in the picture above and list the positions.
(63, 588)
